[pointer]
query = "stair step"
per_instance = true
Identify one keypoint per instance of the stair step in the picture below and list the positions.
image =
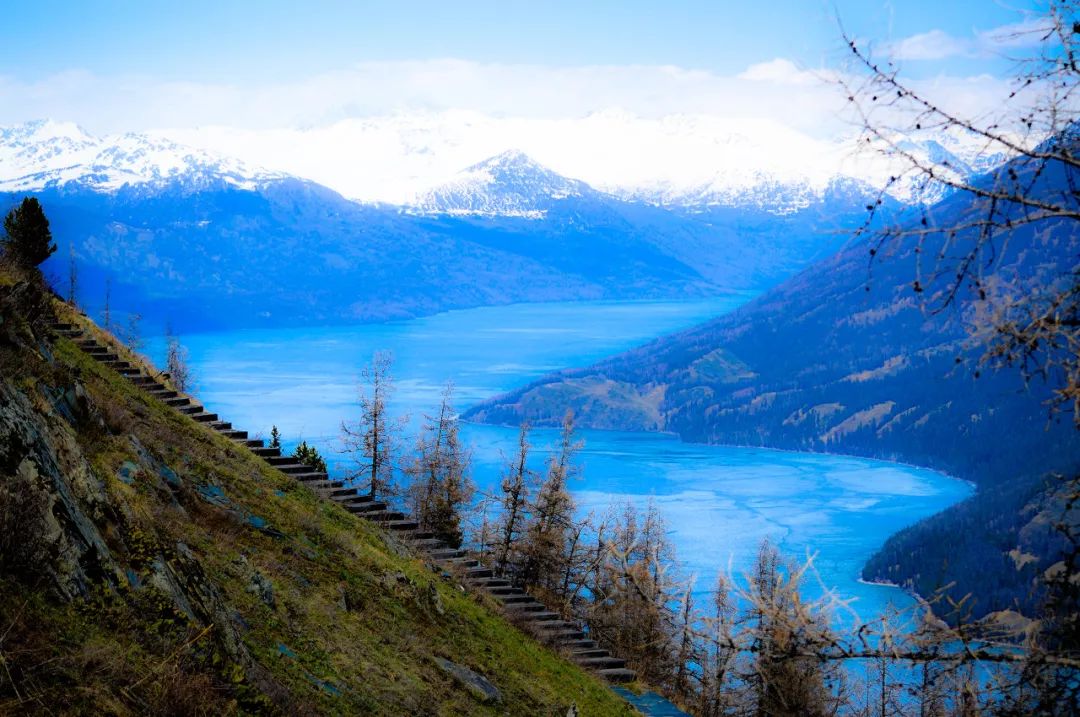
(363, 503)
(340, 492)
(601, 663)
(176, 401)
(362, 509)
(423, 535)
(163, 393)
(93, 348)
(447, 553)
(234, 434)
(401, 525)
(465, 562)
(280, 459)
(384, 516)
(581, 645)
(479, 572)
(254, 443)
(323, 487)
(423, 543)
(512, 599)
(590, 652)
(492, 584)
(310, 477)
(561, 636)
(142, 380)
(106, 357)
(221, 426)
(618, 674)
(293, 468)
(506, 589)
(61, 326)
(531, 606)
(204, 417)
(266, 451)
(546, 616)
(190, 408)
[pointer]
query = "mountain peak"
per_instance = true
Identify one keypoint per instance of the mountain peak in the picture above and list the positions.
(44, 153)
(509, 184)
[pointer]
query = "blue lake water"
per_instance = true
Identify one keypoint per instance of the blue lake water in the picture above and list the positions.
(719, 501)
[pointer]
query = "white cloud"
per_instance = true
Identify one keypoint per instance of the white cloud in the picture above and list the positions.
(932, 45)
(940, 45)
(386, 130)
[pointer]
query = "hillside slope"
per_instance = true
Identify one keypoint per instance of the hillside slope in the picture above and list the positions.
(148, 565)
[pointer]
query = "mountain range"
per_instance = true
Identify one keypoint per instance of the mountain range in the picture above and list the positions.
(197, 239)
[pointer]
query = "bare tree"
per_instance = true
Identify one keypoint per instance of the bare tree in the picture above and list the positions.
(1036, 325)
(372, 440)
(177, 363)
(441, 489)
(107, 313)
(73, 276)
(517, 486)
(552, 511)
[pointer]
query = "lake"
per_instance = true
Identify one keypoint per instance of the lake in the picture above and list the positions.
(719, 501)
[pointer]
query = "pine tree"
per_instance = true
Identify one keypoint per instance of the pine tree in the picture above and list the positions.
(309, 455)
(275, 437)
(29, 239)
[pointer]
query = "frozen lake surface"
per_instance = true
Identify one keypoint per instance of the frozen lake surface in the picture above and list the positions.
(719, 501)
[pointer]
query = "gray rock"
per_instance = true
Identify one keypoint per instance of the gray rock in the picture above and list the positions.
(475, 683)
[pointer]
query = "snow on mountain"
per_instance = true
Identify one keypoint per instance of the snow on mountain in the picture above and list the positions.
(677, 160)
(45, 153)
(509, 185)
(514, 166)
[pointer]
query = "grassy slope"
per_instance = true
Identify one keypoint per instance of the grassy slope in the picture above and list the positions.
(352, 624)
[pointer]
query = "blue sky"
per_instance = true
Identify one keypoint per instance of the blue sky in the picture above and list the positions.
(198, 40)
(116, 66)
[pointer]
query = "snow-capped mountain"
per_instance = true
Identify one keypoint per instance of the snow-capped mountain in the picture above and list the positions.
(44, 154)
(512, 166)
(510, 184)
(678, 160)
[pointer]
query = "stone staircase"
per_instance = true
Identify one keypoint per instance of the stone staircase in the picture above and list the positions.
(518, 605)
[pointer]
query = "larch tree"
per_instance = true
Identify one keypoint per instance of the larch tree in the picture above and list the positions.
(441, 488)
(516, 489)
(372, 440)
(552, 511)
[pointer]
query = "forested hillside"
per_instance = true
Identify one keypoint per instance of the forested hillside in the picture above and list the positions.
(846, 357)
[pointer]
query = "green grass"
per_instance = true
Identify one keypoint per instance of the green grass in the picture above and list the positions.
(354, 621)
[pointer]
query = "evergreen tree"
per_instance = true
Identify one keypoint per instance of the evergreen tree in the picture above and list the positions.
(275, 437)
(29, 239)
(309, 455)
